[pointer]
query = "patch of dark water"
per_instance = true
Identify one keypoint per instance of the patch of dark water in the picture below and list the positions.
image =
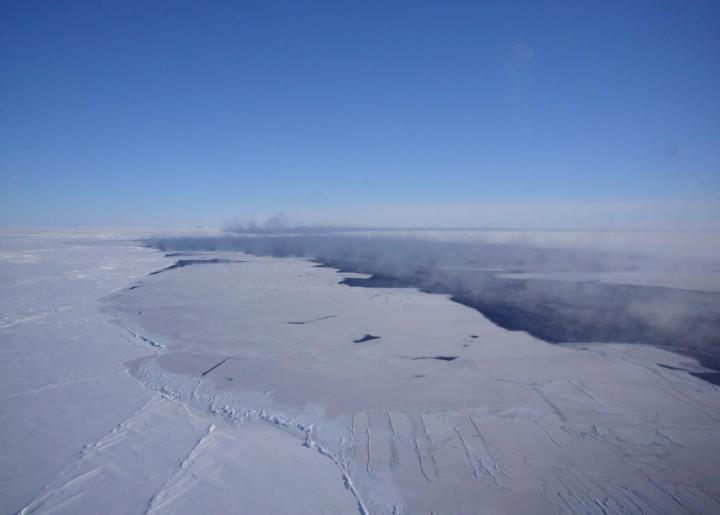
(567, 312)
(366, 338)
(682, 321)
(710, 377)
(669, 367)
(378, 281)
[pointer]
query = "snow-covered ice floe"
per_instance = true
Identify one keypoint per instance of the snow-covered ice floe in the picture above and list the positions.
(244, 384)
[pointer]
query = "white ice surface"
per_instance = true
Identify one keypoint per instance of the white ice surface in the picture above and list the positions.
(236, 410)
(62, 383)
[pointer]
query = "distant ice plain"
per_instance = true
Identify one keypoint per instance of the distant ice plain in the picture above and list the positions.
(238, 388)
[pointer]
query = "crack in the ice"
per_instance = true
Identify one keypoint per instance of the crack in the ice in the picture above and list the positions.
(214, 367)
(312, 320)
(440, 358)
(418, 453)
(233, 415)
(467, 452)
(161, 496)
(182, 263)
(60, 385)
(394, 457)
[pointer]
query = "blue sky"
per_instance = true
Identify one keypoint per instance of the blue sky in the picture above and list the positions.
(185, 113)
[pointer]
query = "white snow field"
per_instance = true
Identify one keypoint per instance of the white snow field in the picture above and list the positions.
(254, 385)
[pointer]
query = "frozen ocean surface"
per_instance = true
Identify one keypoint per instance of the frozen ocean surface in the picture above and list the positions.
(244, 384)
